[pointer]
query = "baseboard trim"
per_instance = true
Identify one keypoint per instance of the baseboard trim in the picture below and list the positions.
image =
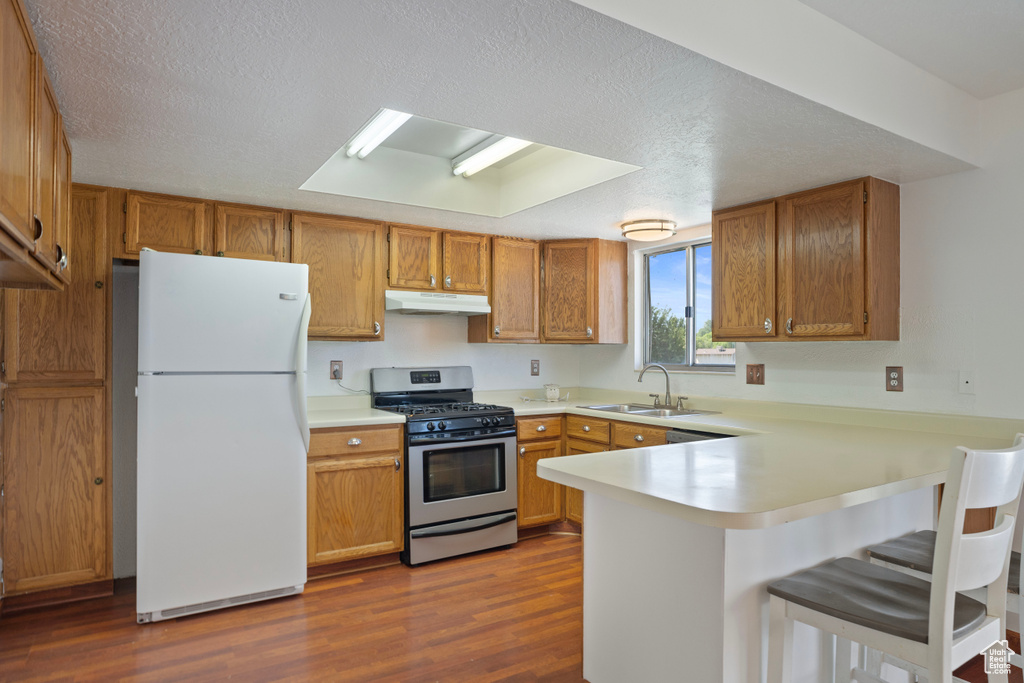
(57, 596)
(322, 571)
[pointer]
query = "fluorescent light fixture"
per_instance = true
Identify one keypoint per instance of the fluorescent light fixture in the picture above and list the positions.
(489, 152)
(384, 123)
(648, 230)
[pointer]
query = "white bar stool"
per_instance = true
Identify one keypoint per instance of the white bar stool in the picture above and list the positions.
(927, 625)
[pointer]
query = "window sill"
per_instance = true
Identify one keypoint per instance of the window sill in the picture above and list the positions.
(696, 369)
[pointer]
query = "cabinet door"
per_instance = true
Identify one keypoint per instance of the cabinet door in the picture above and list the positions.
(574, 497)
(46, 142)
(414, 257)
(467, 262)
(540, 500)
(178, 225)
(17, 103)
(356, 507)
(822, 237)
(61, 336)
(515, 291)
(63, 201)
(743, 258)
(346, 273)
(569, 283)
(250, 232)
(55, 488)
(633, 435)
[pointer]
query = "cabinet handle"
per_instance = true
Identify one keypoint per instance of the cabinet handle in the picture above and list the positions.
(98, 480)
(586, 428)
(62, 258)
(497, 331)
(590, 333)
(398, 464)
(522, 451)
(99, 284)
(220, 253)
(542, 428)
(448, 281)
(38, 222)
(767, 325)
(639, 438)
(789, 326)
(376, 328)
(354, 441)
(433, 281)
(199, 252)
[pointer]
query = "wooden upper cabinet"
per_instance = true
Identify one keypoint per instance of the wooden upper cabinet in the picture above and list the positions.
(18, 65)
(836, 264)
(56, 485)
(179, 225)
(250, 232)
(429, 259)
(743, 272)
(584, 292)
(414, 257)
(47, 141)
(61, 336)
(515, 294)
(63, 203)
(467, 262)
(346, 273)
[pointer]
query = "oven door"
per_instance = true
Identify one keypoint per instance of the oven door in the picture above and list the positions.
(452, 479)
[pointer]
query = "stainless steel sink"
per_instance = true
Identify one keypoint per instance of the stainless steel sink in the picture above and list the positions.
(648, 410)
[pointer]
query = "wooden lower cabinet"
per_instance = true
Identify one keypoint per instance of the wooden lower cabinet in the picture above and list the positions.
(540, 500)
(56, 488)
(355, 495)
(633, 435)
(574, 497)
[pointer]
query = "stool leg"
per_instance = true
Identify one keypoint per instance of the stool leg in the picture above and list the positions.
(844, 662)
(780, 641)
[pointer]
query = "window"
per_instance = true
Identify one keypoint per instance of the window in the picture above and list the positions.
(677, 327)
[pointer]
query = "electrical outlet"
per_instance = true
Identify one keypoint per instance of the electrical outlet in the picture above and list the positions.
(894, 378)
(336, 369)
(966, 382)
(755, 374)
(535, 368)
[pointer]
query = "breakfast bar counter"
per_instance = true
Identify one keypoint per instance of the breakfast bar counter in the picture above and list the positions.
(682, 539)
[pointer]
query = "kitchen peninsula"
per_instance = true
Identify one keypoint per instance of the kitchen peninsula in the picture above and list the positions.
(682, 539)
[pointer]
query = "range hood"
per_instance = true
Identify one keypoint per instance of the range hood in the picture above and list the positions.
(435, 303)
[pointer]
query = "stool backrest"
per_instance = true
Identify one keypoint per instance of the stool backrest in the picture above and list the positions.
(976, 479)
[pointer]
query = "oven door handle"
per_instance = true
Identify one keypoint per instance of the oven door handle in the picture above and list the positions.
(430, 440)
(432, 533)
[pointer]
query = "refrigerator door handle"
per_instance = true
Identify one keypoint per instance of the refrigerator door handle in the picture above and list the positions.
(300, 372)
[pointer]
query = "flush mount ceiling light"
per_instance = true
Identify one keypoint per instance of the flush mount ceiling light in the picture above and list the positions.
(384, 123)
(648, 230)
(487, 153)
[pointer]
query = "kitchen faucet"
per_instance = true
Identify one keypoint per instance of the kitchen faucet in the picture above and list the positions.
(668, 396)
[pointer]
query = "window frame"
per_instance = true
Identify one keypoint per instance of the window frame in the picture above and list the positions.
(691, 364)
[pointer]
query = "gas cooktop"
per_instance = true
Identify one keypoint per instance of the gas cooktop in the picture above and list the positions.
(441, 410)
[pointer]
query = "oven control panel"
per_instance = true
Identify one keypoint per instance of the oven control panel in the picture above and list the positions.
(479, 425)
(425, 377)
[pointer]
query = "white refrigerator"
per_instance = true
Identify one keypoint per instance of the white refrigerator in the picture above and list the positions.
(222, 433)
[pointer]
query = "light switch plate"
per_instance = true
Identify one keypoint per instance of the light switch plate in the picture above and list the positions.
(755, 373)
(535, 368)
(894, 378)
(336, 370)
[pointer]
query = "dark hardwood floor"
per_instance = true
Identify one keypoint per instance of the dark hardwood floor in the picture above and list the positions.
(510, 615)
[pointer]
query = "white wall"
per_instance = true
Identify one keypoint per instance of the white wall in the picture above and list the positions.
(962, 288)
(411, 340)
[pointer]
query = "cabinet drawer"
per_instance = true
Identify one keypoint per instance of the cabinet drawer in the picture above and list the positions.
(533, 428)
(630, 435)
(589, 428)
(355, 440)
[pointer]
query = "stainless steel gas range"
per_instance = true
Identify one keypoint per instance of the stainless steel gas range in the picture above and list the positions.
(460, 479)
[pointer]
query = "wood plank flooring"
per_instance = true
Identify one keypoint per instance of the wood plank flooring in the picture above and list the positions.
(509, 615)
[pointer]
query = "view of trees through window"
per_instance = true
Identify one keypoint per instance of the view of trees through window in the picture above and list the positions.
(673, 326)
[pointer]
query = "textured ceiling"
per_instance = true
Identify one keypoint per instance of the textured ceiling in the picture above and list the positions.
(977, 46)
(243, 100)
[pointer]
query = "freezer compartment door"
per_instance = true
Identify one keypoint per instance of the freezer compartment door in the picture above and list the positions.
(209, 314)
(221, 489)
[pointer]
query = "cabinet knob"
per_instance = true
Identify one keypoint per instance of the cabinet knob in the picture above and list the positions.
(789, 326)
(98, 284)
(590, 333)
(767, 325)
(542, 428)
(522, 451)
(376, 328)
(199, 252)
(448, 281)
(62, 258)
(497, 331)
(98, 480)
(433, 281)
(398, 464)
(38, 223)
(220, 253)
(639, 438)
(354, 441)
(586, 428)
